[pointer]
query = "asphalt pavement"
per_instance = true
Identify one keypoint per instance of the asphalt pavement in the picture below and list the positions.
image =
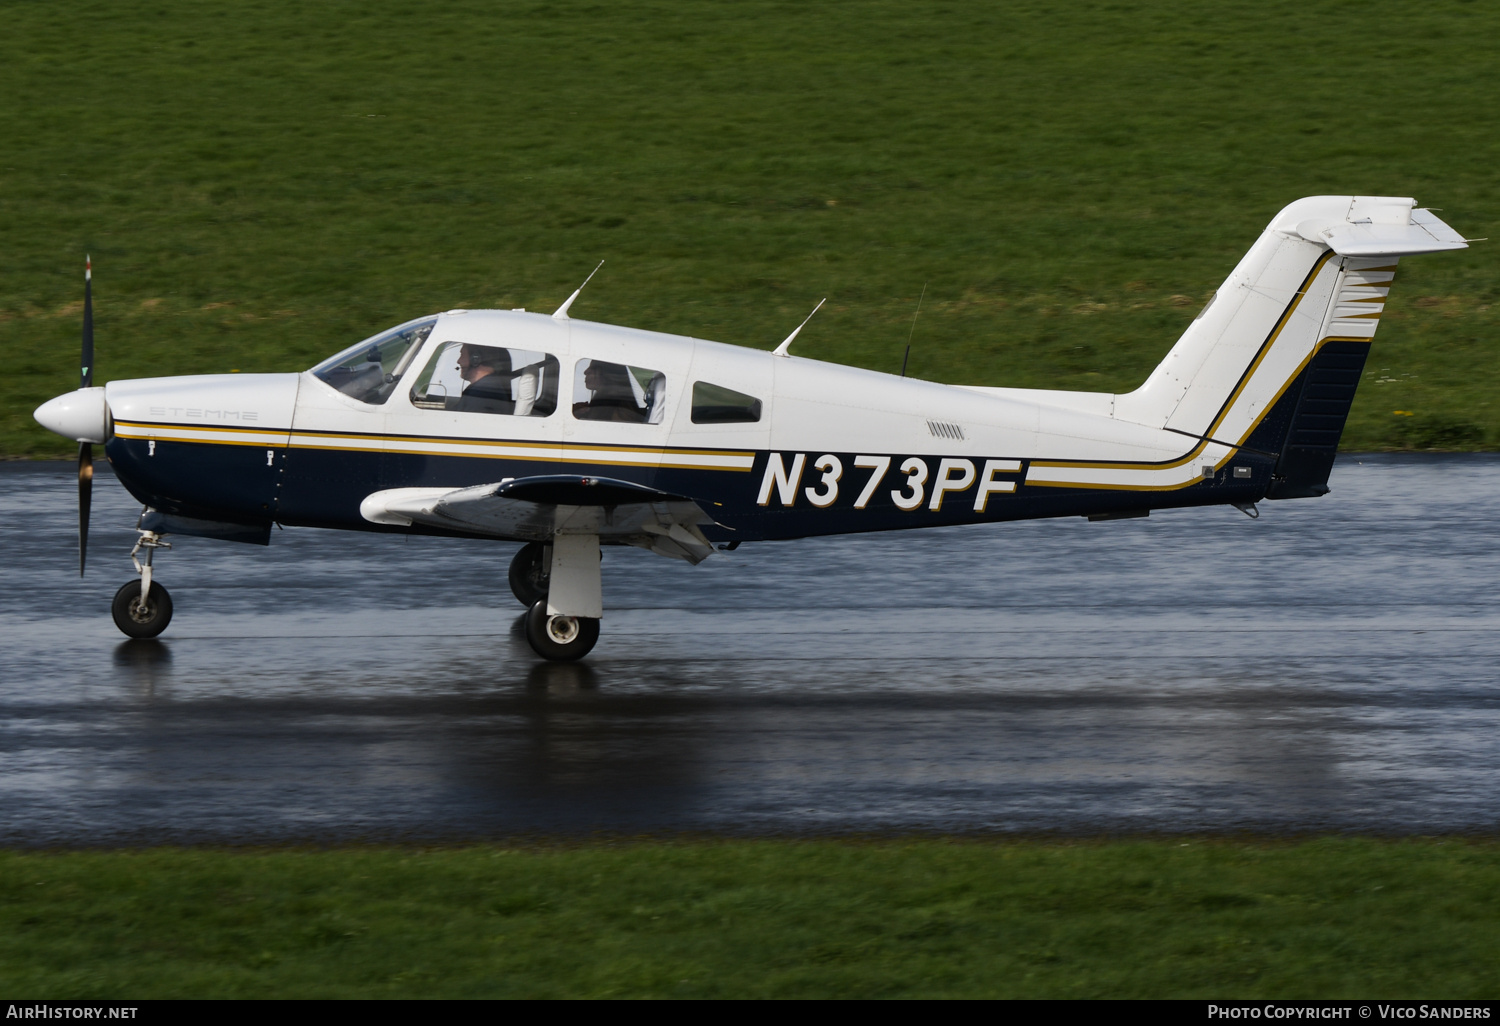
(1330, 666)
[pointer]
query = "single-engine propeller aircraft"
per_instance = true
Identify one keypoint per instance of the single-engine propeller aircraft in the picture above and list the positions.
(566, 435)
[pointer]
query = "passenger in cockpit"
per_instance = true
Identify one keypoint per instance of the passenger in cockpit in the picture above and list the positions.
(611, 397)
(486, 369)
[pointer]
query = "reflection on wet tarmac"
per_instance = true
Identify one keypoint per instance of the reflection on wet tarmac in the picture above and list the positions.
(1330, 666)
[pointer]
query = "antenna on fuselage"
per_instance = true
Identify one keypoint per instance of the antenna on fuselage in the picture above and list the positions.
(561, 313)
(913, 331)
(781, 350)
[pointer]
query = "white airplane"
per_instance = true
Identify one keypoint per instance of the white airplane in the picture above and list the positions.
(568, 435)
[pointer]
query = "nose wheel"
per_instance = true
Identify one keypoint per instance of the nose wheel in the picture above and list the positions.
(143, 609)
(138, 619)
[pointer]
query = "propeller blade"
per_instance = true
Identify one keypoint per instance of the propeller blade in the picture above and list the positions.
(86, 365)
(85, 450)
(85, 499)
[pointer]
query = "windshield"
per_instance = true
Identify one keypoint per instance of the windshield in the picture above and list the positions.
(369, 371)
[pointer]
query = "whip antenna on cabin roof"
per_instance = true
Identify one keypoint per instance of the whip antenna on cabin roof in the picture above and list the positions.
(913, 331)
(781, 350)
(561, 313)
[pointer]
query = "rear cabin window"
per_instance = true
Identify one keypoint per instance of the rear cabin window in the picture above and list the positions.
(369, 371)
(472, 378)
(715, 404)
(615, 392)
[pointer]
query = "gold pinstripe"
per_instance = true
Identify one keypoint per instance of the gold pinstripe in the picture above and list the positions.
(144, 430)
(667, 457)
(1199, 448)
(146, 424)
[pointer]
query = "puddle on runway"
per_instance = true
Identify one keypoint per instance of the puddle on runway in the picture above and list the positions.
(1330, 666)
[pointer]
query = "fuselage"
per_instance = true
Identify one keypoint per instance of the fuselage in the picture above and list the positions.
(824, 449)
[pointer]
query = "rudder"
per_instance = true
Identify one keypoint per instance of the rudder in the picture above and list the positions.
(1322, 395)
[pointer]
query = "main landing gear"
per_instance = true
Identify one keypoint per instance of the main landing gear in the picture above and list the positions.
(561, 588)
(143, 610)
(563, 638)
(530, 572)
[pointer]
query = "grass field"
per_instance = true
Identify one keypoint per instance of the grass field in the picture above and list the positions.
(262, 183)
(912, 918)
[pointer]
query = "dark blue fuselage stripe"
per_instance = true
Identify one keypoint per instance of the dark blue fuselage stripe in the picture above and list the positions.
(324, 488)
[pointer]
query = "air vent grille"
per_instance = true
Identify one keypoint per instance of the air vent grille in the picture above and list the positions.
(940, 429)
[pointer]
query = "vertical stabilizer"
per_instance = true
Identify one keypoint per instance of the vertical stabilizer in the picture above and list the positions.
(1289, 328)
(1271, 363)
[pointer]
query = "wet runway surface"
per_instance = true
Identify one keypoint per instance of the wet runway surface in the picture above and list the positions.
(1332, 665)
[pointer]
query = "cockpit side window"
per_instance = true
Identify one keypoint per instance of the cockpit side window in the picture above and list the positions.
(715, 404)
(369, 371)
(615, 392)
(473, 378)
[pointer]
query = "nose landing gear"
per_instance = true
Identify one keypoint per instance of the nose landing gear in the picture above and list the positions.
(143, 610)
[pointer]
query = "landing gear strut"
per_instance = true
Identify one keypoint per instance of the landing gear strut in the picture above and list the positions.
(562, 621)
(143, 610)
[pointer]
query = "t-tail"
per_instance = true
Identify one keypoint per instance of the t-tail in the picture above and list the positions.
(1272, 362)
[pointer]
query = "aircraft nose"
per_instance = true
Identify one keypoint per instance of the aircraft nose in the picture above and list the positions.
(82, 416)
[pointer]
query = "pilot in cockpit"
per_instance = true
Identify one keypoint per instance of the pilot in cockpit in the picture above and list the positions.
(491, 386)
(486, 372)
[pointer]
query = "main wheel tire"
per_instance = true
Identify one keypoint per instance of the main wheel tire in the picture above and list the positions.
(529, 574)
(562, 638)
(137, 619)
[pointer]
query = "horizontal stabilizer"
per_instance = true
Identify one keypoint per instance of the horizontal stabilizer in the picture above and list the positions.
(1423, 234)
(1368, 226)
(540, 508)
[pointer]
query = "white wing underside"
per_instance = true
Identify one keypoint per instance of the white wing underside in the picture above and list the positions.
(668, 528)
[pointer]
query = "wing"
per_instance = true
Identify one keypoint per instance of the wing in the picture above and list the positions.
(539, 508)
